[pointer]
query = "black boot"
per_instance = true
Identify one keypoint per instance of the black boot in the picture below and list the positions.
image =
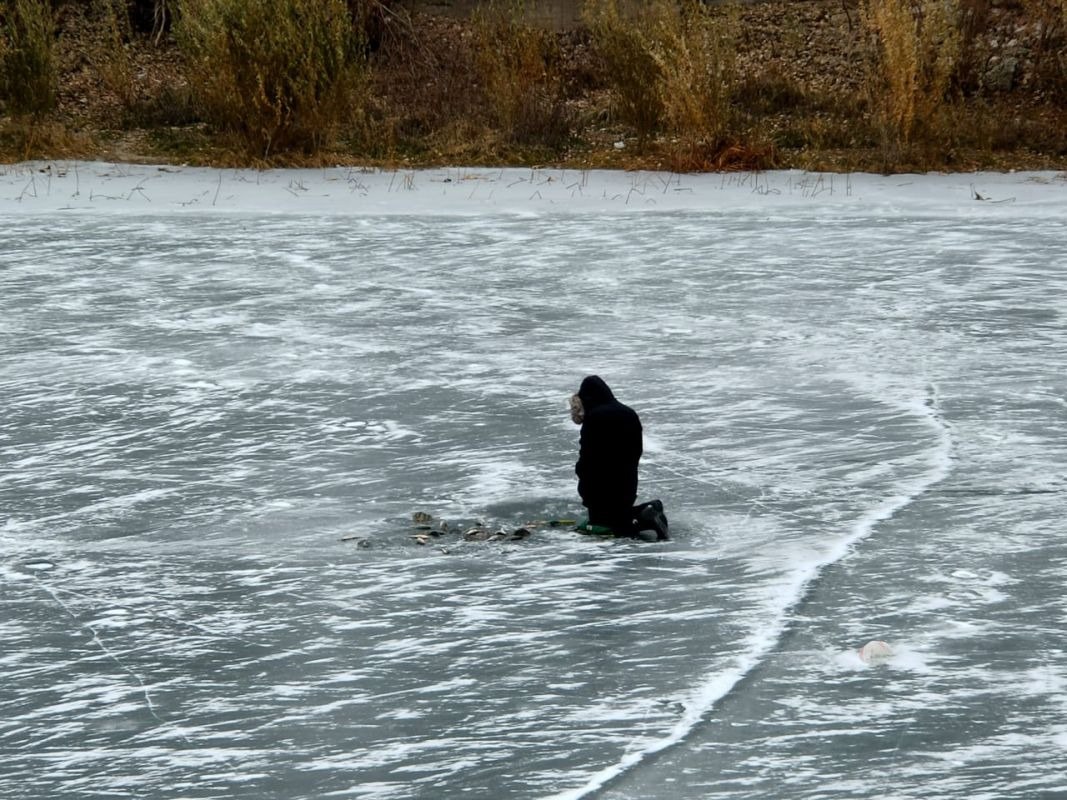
(652, 518)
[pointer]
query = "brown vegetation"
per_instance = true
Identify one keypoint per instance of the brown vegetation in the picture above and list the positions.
(882, 85)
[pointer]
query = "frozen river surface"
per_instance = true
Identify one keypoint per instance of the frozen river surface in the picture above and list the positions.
(224, 395)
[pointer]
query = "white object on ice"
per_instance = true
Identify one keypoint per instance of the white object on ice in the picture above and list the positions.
(875, 652)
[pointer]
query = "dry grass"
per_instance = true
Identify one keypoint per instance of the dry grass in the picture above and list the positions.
(693, 47)
(915, 57)
(1049, 19)
(679, 86)
(634, 74)
(111, 58)
(517, 65)
(28, 73)
(24, 137)
(973, 21)
(282, 75)
(672, 70)
(424, 101)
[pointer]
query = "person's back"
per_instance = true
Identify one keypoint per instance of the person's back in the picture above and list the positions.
(610, 450)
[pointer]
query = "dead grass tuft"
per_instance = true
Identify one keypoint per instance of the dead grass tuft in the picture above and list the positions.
(670, 65)
(280, 75)
(26, 136)
(28, 72)
(518, 67)
(724, 155)
(914, 56)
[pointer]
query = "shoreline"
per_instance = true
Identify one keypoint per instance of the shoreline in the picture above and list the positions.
(41, 187)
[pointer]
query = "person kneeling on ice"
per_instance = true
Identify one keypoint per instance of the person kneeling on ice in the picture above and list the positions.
(610, 447)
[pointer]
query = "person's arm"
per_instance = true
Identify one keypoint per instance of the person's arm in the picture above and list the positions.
(581, 466)
(591, 453)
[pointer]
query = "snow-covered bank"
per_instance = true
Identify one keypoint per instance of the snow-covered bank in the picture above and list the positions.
(42, 187)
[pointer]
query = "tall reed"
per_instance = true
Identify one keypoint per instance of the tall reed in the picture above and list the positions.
(28, 72)
(916, 50)
(633, 73)
(670, 63)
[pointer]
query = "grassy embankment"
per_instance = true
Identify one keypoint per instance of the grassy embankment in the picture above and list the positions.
(878, 85)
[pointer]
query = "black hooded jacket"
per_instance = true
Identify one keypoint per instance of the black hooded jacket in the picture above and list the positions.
(609, 452)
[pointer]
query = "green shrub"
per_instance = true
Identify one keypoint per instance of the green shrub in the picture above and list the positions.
(28, 73)
(281, 74)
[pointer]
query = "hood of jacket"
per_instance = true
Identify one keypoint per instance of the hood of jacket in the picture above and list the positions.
(594, 392)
